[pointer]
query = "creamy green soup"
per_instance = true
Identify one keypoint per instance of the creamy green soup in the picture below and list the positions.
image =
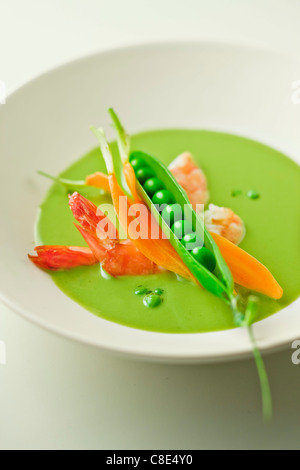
(233, 166)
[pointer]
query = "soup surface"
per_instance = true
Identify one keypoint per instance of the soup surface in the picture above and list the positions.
(233, 165)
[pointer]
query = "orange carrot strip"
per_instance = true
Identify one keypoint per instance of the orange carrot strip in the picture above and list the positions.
(247, 271)
(98, 180)
(160, 251)
(131, 181)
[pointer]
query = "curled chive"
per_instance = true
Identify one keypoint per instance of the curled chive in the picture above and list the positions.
(65, 182)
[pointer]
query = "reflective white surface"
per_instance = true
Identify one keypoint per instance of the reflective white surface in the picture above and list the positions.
(59, 394)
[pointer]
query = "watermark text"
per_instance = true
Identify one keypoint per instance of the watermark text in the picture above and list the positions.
(2, 92)
(296, 353)
(2, 353)
(295, 97)
(141, 223)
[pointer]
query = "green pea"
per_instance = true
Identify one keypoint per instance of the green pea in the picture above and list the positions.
(204, 257)
(140, 290)
(192, 240)
(172, 213)
(152, 300)
(181, 228)
(152, 185)
(253, 194)
(159, 291)
(163, 197)
(144, 173)
(138, 163)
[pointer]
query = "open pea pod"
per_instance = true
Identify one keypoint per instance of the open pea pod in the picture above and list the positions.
(220, 284)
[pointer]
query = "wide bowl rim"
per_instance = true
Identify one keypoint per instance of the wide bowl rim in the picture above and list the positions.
(244, 352)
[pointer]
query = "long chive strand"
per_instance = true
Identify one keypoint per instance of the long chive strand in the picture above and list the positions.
(63, 181)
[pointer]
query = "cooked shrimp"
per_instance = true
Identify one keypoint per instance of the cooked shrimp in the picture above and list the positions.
(122, 257)
(93, 220)
(220, 220)
(225, 222)
(191, 178)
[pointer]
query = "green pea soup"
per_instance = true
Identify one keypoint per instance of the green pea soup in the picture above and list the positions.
(234, 166)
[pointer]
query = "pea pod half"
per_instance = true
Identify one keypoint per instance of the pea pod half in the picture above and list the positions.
(221, 283)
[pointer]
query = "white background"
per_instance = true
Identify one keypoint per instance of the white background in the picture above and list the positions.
(55, 393)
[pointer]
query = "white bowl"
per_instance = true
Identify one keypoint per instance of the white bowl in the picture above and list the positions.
(45, 124)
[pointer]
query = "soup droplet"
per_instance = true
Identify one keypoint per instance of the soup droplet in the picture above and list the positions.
(140, 290)
(253, 194)
(152, 300)
(236, 192)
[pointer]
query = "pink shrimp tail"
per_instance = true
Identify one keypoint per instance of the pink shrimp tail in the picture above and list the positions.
(58, 257)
